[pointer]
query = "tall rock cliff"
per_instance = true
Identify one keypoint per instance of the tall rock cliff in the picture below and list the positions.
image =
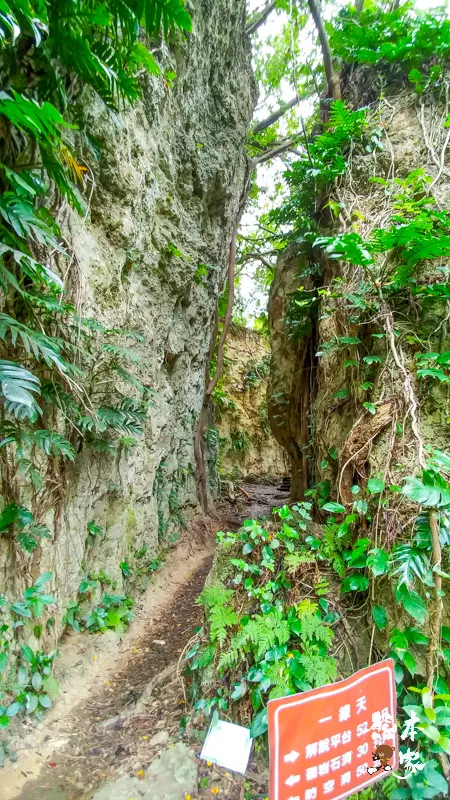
(342, 413)
(247, 448)
(168, 177)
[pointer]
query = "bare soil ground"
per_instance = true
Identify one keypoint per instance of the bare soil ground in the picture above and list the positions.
(122, 702)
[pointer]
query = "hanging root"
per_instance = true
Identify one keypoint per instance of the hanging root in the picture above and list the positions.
(408, 389)
(436, 609)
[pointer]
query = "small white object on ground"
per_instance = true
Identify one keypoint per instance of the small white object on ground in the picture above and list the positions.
(228, 745)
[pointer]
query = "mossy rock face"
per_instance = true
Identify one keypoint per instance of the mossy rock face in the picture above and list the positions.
(156, 194)
(247, 447)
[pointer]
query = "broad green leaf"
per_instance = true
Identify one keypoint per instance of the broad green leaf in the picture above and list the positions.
(380, 617)
(27, 653)
(354, 583)
(43, 579)
(375, 485)
(13, 709)
(333, 508)
(410, 663)
(51, 687)
(45, 701)
(430, 731)
(415, 607)
(36, 681)
(378, 561)
(444, 743)
(259, 724)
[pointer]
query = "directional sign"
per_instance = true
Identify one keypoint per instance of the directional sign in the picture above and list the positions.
(322, 741)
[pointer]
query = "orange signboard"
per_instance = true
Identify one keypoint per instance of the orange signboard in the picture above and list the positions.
(324, 741)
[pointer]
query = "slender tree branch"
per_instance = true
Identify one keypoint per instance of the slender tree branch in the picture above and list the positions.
(256, 257)
(276, 151)
(272, 118)
(260, 17)
(334, 86)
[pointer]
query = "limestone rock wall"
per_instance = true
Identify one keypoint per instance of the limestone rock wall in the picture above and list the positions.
(247, 447)
(168, 180)
(316, 403)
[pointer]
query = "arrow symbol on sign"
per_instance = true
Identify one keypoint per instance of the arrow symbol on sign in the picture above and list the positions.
(291, 757)
(292, 779)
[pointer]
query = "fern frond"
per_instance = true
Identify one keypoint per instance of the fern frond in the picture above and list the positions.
(294, 560)
(214, 595)
(220, 619)
(319, 669)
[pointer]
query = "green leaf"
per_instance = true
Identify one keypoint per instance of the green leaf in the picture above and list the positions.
(378, 561)
(21, 608)
(4, 721)
(36, 681)
(45, 701)
(3, 661)
(370, 407)
(415, 607)
(22, 676)
(372, 359)
(27, 653)
(355, 583)
(410, 663)
(13, 709)
(239, 691)
(333, 508)
(380, 617)
(51, 686)
(442, 715)
(444, 744)
(43, 580)
(375, 485)
(259, 724)
(430, 731)
(431, 490)
(31, 703)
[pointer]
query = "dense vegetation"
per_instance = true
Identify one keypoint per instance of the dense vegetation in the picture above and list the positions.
(290, 594)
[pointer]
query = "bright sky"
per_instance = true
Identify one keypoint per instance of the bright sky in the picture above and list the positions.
(269, 174)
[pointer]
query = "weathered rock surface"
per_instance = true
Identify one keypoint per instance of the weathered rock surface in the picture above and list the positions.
(289, 387)
(316, 404)
(167, 187)
(171, 776)
(247, 448)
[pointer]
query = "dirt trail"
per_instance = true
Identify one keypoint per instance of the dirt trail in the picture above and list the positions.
(119, 708)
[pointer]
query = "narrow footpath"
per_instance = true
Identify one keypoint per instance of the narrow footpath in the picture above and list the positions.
(117, 731)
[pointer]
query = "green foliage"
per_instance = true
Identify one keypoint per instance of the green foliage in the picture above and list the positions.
(316, 170)
(26, 682)
(111, 612)
(261, 643)
(410, 41)
(20, 522)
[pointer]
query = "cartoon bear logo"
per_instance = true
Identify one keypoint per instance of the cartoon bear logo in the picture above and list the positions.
(381, 757)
